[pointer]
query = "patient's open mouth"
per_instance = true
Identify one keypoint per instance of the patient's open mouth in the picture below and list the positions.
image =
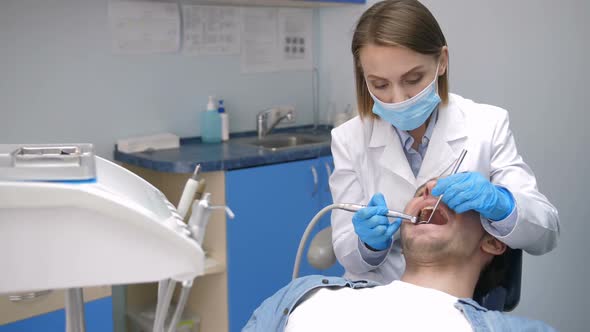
(437, 219)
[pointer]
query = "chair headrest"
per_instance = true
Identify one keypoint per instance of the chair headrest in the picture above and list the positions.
(499, 284)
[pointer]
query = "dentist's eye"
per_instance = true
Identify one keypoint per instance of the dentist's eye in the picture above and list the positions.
(380, 86)
(414, 81)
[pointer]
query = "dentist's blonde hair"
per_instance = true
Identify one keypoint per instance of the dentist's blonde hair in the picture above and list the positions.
(405, 23)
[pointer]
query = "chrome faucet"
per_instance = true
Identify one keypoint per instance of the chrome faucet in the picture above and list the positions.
(263, 117)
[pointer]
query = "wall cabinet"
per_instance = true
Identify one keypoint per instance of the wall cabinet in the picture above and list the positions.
(273, 205)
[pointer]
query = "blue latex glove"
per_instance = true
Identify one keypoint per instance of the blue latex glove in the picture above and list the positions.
(372, 226)
(471, 191)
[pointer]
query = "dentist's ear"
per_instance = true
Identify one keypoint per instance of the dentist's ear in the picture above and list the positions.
(493, 246)
(444, 60)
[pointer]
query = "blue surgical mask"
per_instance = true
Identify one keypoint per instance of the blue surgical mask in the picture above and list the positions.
(412, 113)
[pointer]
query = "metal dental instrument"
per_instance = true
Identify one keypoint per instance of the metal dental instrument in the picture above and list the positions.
(390, 213)
(455, 169)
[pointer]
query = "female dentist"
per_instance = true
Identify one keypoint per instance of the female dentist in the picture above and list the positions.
(411, 129)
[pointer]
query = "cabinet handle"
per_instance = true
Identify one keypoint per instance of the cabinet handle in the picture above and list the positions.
(329, 172)
(28, 296)
(314, 172)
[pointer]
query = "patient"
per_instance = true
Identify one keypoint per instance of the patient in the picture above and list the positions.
(444, 260)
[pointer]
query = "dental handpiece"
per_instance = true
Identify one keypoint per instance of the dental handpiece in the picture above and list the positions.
(390, 213)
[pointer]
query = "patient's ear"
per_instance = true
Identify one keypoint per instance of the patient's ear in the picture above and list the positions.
(493, 246)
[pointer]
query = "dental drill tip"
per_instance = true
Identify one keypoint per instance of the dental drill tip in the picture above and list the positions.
(196, 172)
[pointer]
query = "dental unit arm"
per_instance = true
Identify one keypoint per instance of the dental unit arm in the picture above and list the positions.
(342, 206)
(56, 198)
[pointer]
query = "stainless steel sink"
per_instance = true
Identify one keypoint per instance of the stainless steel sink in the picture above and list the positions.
(277, 142)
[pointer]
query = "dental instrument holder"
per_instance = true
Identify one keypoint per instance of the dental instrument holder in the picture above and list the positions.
(44, 162)
(188, 193)
(200, 217)
(83, 200)
(197, 224)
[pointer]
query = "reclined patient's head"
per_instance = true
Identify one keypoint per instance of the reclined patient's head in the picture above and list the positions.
(449, 238)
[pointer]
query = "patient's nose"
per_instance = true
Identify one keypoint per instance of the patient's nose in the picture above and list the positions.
(429, 186)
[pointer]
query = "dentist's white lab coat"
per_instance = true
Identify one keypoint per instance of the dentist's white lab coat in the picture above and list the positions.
(369, 158)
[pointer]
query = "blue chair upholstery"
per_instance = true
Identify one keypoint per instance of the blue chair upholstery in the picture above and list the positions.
(499, 285)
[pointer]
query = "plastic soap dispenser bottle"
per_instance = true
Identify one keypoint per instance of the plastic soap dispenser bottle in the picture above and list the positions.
(210, 123)
(224, 121)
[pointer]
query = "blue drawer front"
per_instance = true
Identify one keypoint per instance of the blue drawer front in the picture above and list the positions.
(272, 206)
(98, 314)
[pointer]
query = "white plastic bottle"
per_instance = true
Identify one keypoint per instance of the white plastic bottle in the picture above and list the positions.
(224, 121)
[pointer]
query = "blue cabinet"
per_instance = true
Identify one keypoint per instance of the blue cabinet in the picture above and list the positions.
(98, 314)
(273, 205)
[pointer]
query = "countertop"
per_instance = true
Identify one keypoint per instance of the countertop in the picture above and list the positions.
(227, 155)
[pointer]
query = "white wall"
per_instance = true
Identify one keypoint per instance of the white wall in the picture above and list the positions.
(60, 83)
(530, 57)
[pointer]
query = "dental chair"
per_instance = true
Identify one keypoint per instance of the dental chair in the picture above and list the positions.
(497, 289)
(500, 290)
